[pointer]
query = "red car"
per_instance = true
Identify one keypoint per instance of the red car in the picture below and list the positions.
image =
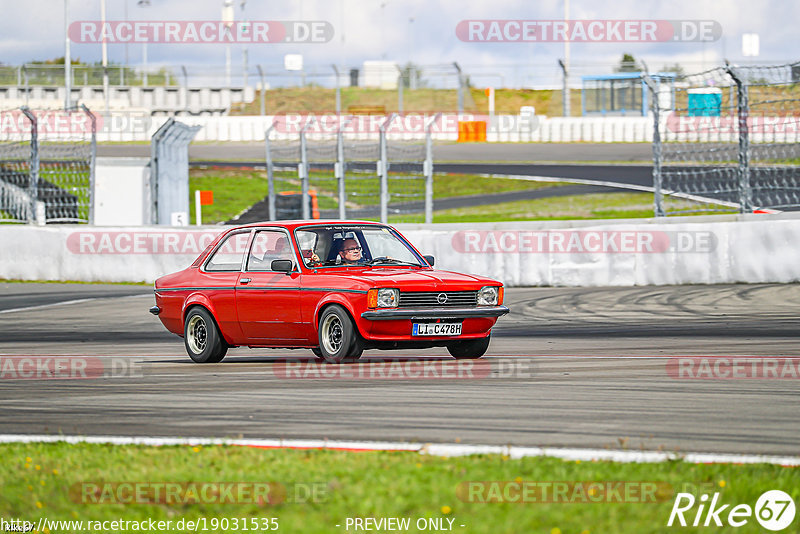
(335, 287)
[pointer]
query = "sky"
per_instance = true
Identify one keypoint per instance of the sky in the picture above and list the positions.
(420, 31)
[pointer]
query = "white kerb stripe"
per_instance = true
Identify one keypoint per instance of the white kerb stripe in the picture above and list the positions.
(433, 449)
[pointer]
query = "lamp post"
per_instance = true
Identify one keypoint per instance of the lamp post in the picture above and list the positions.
(144, 3)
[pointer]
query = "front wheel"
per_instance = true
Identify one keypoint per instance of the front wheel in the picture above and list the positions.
(469, 350)
(201, 336)
(338, 338)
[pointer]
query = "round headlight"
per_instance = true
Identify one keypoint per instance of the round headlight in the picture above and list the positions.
(487, 296)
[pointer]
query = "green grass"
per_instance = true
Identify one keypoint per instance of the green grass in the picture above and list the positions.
(237, 190)
(592, 206)
(38, 478)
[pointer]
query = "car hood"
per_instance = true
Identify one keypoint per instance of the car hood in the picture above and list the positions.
(423, 280)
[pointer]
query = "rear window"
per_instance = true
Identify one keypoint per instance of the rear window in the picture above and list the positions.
(230, 253)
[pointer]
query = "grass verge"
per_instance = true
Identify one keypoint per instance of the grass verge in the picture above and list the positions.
(591, 206)
(236, 190)
(324, 488)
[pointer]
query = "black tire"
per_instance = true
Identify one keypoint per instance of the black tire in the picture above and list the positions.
(317, 353)
(469, 350)
(338, 339)
(201, 337)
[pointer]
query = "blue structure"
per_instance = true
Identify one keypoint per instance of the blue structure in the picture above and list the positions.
(623, 93)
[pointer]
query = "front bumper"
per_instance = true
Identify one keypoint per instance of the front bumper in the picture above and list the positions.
(434, 313)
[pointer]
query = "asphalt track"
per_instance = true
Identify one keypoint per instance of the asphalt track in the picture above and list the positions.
(575, 367)
(443, 152)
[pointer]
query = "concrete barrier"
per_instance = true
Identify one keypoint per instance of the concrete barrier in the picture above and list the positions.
(688, 250)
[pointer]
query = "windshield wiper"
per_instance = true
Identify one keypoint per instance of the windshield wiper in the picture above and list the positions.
(384, 259)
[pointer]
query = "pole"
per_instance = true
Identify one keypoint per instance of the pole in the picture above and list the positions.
(270, 178)
(658, 196)
(338, 92)
(428, 169)
(339, 169)
(244, 49)
(400, 92)
(67, 63)
(263, 90)
(460, 88)
(105, 54)
(302, 170)
(383, 170)
(567, 109)
(197, 208)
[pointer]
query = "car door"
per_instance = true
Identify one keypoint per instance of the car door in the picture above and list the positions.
(218, 278)
(268, 302)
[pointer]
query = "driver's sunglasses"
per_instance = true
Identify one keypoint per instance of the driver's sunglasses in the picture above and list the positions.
(356, 249)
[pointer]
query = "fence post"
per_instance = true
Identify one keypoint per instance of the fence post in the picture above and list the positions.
(427, 169)
(302, 170)
(263, 90)
(383, 169)
(270, 178)
(33, 184)
(743, 110)
(92, 160)
(460, 88)
(658, 197)
(339, 169)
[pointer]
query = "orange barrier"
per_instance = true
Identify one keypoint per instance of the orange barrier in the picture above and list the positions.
(471, 131)
(314, 204)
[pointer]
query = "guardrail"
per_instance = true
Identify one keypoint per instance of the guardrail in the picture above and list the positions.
(680, 250)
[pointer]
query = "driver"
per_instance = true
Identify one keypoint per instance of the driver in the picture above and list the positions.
(350, 252)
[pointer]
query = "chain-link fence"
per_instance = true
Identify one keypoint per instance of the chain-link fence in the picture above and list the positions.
(47, 163)
(340, 177)
(727, 139)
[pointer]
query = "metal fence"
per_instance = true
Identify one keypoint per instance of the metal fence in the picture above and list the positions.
(47, 164)
(168, 191)
(339, 177)
(727, 139)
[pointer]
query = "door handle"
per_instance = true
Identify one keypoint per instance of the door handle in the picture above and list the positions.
(244, 280)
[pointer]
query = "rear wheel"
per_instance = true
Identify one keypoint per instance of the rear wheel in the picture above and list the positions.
(338, 338)
(469, 350)
(201, 336)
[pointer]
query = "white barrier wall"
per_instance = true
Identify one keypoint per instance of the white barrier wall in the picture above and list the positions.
(690, 250)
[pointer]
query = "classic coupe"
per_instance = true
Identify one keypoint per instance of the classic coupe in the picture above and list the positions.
(335, 287)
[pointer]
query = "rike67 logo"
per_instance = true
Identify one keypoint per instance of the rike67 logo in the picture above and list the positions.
(774, 511)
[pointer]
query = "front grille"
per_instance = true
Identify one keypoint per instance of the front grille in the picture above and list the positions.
(430, 299)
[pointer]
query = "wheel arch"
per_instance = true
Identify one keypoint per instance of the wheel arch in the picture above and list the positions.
(331, 300)
(202, 302)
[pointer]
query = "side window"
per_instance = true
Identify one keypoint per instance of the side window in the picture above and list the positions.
(269, 245)
(230, 254)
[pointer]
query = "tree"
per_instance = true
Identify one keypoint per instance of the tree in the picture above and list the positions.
(628, 64)
(412, 75)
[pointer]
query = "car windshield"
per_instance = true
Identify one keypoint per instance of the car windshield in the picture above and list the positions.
(335, 246)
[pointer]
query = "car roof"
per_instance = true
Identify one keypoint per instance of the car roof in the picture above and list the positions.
(292, 224)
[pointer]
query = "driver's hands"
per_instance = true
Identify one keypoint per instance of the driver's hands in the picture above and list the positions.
(314, 259)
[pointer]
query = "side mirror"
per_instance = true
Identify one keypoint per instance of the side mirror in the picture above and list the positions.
(282, 266)
(429, 259)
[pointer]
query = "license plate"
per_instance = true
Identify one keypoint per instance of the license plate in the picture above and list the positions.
(436, 329)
